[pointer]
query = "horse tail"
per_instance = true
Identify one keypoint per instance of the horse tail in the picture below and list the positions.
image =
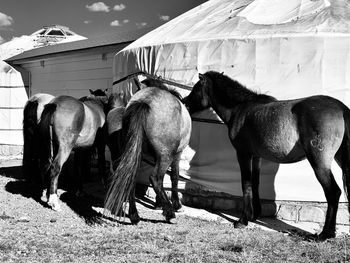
(45, 132)
(123, 178)
(345, 156)
(30, 124)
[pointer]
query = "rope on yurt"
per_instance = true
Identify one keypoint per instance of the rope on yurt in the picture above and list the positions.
(169, 82)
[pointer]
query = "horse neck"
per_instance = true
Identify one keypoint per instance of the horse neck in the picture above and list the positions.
(236, 103)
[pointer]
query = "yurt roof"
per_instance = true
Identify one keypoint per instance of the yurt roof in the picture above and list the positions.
(100, 41)
(227, 19)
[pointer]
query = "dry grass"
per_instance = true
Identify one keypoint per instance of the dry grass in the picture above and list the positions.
(30, 232)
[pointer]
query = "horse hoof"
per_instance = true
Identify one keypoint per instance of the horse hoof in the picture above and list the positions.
(157, 207)
(54, 203)
(44, 197)
(177, 206)
(169, 215)
(134, 219)
(324, 236)
(55, 207)
(238, 224)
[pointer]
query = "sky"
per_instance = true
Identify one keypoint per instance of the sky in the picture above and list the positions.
(89, 18)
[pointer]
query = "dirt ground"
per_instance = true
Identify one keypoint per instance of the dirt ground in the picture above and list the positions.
(31, 232)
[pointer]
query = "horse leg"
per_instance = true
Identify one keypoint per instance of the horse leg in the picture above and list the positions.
(156, 179)
(85, 164)
(245, 163)
(158, 203)
(256, 163)
(133, 214)
(332, 192)
(101, 147)
(55, 170)
(78, 171)
(174, 176)
(343, 159)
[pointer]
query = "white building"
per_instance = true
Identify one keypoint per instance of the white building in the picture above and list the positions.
(14, 87)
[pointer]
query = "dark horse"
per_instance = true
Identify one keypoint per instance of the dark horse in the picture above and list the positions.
(66, 124)
(31, 117)
(156, 119)
(316, 128)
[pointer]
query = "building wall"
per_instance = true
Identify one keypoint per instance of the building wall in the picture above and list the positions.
(73, 73)
(13, 96)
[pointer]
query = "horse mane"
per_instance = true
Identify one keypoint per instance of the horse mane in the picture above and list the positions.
(231, 91)
(150, 82)
(115, 100)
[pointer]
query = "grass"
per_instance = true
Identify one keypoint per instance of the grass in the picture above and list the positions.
(48, 236)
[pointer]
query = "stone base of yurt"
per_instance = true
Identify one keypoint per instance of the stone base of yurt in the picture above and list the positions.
(197, 196)
(11, 151)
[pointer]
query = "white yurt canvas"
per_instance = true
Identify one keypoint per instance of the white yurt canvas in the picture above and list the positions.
(286, 49)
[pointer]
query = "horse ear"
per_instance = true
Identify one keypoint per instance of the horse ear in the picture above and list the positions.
(202, 78)
(121, 94)
(91, 91)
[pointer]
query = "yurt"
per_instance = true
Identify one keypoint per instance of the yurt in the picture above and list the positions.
(286, 49)
(13, 92)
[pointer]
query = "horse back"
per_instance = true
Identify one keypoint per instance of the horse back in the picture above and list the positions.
(68, 118)
(282, 131)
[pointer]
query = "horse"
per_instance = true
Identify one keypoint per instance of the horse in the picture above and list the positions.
(31, 116)
(66, 124)
(283, 131)
(156, 121)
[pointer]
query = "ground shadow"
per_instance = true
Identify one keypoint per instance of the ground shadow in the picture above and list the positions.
(83, 205)
(14, 172)
(271, 223)
(25, 189)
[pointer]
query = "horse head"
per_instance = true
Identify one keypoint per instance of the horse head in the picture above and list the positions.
(98, 92)
(198, 99)
(100, 97)
(117, 100)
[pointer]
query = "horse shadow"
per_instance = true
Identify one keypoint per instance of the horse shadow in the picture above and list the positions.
(271, 223)
(87, 205)
(84, 205)
(81, 205)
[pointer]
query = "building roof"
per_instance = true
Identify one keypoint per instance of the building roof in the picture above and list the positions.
(105, 40)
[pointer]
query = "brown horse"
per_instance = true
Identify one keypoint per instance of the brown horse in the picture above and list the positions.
(66, 124)
(316, 128)
(156, 119)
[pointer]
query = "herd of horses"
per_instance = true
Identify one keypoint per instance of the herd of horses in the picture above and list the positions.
(157, 120)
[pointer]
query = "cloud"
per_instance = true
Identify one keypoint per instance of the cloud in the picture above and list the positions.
(143, 24)
(5, 20)
(98, 7)
(125, 21)
(87, 22)
(164, 17)
(119, 7)
(115, 23)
